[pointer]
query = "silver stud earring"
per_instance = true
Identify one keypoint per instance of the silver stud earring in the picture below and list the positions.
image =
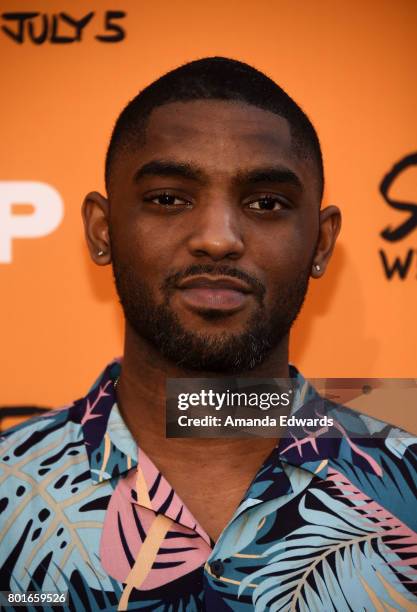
(101, 253)
(317, 267)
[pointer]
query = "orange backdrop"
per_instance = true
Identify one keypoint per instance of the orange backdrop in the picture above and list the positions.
(351, 65)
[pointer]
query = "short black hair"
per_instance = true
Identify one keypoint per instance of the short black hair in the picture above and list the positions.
(214, 78)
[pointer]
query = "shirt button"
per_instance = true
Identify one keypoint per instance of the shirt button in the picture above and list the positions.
(217, 568)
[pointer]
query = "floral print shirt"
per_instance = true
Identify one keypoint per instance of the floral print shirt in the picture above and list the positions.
(328, 523)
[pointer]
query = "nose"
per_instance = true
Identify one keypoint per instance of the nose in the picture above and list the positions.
(216, 233)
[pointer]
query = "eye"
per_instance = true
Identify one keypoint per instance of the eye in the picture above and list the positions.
(168, 200)
(267, 204)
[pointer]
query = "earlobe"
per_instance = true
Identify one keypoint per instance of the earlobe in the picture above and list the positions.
(95, 214)
(316, 270)
(330, 223)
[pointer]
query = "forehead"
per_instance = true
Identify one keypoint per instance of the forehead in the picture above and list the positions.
(221, 137)
(217, 126)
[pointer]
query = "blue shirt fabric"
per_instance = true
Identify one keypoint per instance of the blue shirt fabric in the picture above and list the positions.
(328, 523)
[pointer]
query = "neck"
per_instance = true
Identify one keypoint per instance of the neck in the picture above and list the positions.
(141, 399)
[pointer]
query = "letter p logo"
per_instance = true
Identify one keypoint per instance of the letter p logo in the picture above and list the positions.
(47, 213)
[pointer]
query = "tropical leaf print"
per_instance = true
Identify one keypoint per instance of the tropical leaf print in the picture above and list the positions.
(328, 522)
(347, 555)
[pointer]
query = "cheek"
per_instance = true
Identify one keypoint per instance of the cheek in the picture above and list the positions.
(282, 256)
(145, 249)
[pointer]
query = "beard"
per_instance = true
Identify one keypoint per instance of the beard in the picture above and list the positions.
(218, 352)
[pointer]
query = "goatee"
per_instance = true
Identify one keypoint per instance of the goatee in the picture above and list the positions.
(223, 353)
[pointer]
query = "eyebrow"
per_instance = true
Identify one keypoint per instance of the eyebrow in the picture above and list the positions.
(160, 167)
(273, 174)
(267, 174)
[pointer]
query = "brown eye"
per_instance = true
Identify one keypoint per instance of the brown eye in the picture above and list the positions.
(266, 204)
(168, 200)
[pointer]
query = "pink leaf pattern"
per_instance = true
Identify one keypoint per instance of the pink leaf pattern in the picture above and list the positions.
(88, 415)
(130, 518)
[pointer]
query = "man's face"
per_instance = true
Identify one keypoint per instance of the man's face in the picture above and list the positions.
(214, 222)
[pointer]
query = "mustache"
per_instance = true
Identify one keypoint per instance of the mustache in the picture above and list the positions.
(172, 280)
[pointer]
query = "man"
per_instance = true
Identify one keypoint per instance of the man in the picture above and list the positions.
(213, 226)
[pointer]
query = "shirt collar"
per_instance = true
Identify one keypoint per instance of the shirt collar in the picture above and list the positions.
(112, 451)
(350, 438)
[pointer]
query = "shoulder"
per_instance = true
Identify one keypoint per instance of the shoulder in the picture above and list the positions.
(63, 426)
(34, 450)
(36, 433)
(370, 431)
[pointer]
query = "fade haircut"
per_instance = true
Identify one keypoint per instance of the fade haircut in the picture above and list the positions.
(214, 78)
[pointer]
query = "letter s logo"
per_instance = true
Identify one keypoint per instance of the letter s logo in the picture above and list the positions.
(47, 215)
(392, 235)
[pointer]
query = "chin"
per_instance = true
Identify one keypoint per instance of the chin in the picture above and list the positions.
(214, 322)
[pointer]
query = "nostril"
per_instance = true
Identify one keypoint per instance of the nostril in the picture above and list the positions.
(215, 247)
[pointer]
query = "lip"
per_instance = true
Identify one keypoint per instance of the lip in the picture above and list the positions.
(222, 294)
(218, 282)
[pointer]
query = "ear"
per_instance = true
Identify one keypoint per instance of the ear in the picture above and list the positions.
(330, 222)
(95, 214)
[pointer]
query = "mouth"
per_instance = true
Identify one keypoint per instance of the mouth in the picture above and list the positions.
(222, 294)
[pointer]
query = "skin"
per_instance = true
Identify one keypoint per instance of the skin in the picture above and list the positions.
(216, 217)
